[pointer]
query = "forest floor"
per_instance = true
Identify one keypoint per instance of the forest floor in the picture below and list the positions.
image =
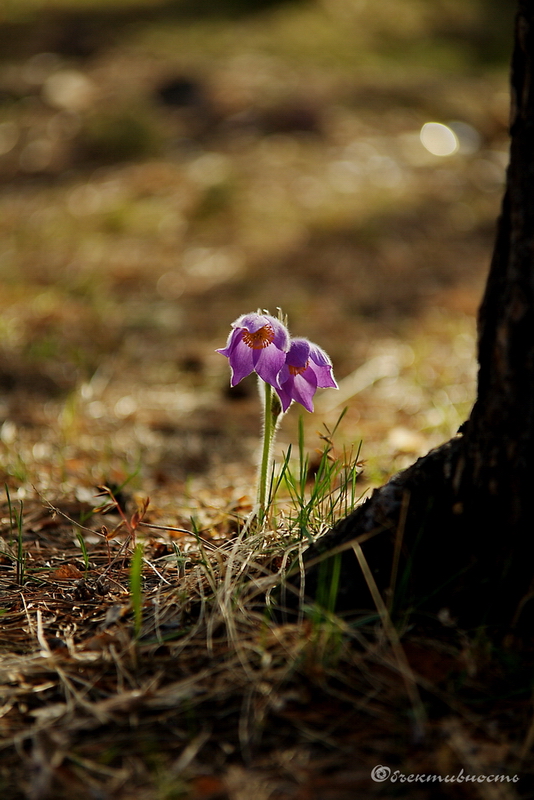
(161, 173)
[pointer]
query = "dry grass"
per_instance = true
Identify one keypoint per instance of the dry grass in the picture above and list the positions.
(213, 697)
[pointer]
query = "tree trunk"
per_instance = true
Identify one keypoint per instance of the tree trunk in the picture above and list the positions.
(455, 530)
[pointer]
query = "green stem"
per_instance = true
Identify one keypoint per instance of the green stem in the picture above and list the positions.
(271, 413)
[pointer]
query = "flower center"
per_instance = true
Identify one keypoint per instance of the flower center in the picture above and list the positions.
(298, 370)
(259, 339)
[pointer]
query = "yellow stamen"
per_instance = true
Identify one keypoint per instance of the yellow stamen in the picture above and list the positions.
(297, 370)
(260, 339)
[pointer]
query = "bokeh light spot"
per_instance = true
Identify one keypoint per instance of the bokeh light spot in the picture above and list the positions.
(439, 139)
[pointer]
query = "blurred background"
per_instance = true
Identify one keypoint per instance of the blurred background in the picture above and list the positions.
(166, 166)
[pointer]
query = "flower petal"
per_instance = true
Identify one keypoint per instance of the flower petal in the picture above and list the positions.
(233, 337)
(323, 376)
(304, 387)
(241, 362)
(318, 355)
(253, 322)
(285, 390)
(298, 354)
(268, 363)
(306, 369)
(256, 342)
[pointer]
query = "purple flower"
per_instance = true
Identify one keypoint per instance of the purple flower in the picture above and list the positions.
(306, 369)
(258, 342)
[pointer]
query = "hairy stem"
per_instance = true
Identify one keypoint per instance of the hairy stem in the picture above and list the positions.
(271, 414)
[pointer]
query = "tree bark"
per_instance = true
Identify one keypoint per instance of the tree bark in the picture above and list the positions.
(455, 530)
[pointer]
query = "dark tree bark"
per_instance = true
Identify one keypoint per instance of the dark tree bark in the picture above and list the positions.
(464, 513)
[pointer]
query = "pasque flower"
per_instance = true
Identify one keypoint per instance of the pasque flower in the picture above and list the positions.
(257, 342)
(307, 368)
(294, 368)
